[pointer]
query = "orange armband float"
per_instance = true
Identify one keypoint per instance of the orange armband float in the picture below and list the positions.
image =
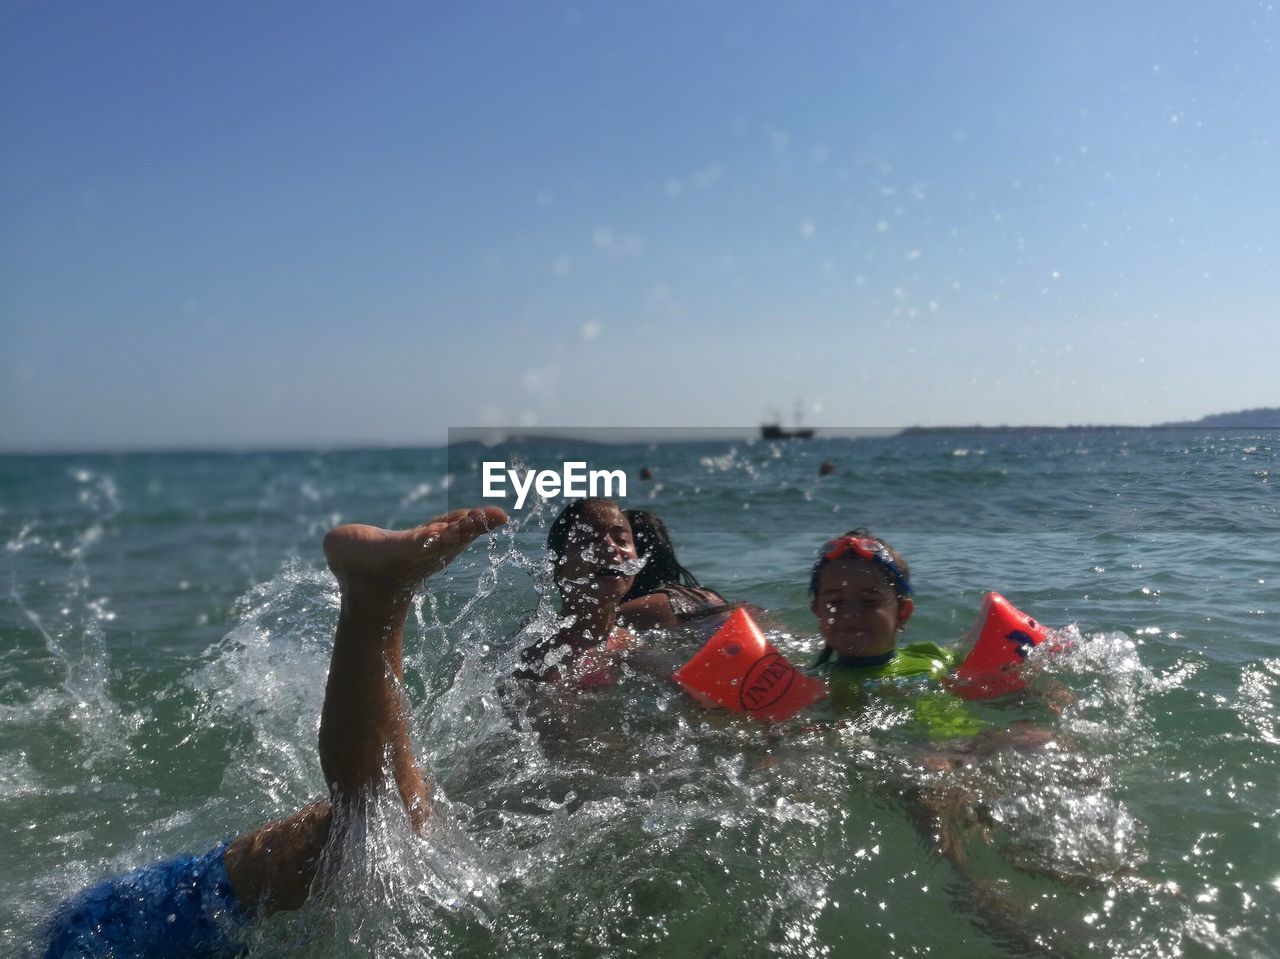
(1004, 637)
(741, 670)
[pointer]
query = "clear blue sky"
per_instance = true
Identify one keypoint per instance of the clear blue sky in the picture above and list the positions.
(308, 223)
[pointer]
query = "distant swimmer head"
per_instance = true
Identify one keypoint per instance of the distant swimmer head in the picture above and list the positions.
(861, 594)
(592, 552)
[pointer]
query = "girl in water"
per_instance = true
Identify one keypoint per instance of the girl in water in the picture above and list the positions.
(594, 563)
(862, 596)
(615, 572)
(664, 593)
(860, 589)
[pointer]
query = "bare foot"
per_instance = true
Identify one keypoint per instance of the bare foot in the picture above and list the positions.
(400, 559)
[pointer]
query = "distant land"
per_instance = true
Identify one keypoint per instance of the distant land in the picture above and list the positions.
(1263, 418)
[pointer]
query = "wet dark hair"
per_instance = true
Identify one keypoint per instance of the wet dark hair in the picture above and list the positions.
(562, 527)
(653, 545)
(898, 560)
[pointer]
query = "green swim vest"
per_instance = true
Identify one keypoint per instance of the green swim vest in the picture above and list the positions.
(938, 713)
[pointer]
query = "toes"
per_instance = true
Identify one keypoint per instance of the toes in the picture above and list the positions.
(456, 529)
(486, 518)
(473, 522)
(489, 517)
(448, 518)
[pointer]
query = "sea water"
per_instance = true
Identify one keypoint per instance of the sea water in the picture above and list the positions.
(166, 621)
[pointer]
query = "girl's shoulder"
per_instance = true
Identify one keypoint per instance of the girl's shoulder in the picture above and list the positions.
(690, 601)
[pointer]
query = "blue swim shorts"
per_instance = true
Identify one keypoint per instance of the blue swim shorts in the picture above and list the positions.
(184, 907)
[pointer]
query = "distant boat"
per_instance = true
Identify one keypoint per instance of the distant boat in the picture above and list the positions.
(776, 431)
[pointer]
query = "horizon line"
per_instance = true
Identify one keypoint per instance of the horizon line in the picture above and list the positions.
(591, 434)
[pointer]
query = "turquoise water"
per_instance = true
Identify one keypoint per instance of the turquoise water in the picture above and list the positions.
(164, 636)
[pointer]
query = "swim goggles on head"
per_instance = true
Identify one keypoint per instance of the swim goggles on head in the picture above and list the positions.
(865, 547)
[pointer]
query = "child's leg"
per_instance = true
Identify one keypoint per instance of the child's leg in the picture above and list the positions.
(364, 721)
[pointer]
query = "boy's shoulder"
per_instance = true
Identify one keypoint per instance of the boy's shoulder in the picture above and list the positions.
(927, 657)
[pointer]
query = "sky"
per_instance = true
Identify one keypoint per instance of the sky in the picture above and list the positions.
(318, 224)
